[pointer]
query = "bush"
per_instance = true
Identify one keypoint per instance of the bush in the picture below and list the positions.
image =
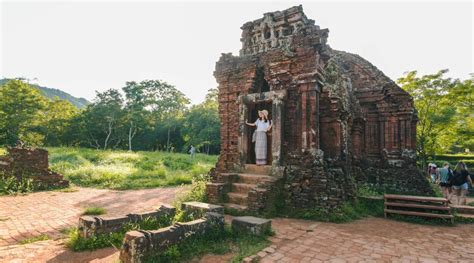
(94, 210)
(10, 185)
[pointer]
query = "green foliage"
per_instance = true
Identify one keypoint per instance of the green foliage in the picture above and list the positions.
(10, 185)
(128, 170)
(35, 239)
(445, 108)
(20, 113)
(77, 243)
(94, 210)
(216, 242)
(153, 115)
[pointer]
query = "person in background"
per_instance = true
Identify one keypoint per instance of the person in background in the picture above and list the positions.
(445, 175)
(192, 151)
(460, 182)
(433, 172)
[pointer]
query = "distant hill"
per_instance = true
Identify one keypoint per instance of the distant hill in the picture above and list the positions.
(52, 93)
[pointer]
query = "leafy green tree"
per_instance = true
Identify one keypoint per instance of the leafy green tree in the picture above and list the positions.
(21, 108)
(136, 98)
(58, 117)
(202, 125)
(104, 120)
(461, 97)
(437, 110)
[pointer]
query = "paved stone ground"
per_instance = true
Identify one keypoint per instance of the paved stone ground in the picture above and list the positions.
(50, 212)
(367, 240)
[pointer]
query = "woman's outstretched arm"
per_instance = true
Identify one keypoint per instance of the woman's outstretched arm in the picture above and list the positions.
(250, 124)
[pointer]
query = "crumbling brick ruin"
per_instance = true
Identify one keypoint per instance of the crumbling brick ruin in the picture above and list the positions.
(338, 121)
(31, 163)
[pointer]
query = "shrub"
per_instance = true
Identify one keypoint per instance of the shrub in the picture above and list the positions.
(94, 210)
(12, 185)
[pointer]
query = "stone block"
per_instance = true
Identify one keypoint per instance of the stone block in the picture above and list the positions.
(95, 225)
(199, 209)
(140, 245)
(251, 225)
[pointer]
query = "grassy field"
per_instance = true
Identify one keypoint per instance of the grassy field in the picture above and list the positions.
(127, 170)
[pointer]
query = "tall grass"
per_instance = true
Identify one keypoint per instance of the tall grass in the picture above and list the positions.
(127, 170)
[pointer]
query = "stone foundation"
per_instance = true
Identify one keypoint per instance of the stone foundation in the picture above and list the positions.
(139, 245)
(31, 163)
(251, 225)
(94, 225)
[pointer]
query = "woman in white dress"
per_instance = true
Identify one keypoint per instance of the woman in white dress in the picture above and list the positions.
(260, 137)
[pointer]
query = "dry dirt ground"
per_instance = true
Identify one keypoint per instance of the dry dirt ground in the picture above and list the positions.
(367, 240)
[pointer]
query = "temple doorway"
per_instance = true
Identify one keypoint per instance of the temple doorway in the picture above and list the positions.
(252, 117)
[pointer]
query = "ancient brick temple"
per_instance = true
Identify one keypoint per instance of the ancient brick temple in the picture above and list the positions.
(337, 120)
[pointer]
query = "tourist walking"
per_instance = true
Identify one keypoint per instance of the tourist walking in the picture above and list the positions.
(445, 175)
(460, 182)
(263, 125)
(192, 151)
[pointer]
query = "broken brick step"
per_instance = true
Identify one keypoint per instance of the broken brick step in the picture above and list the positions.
(254, 178)
(258, 169)
(242, 188)
(236, 207)
(237, 198)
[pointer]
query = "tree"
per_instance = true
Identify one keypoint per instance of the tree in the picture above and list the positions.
(136, 98)
(58, 117)
(436, 111)
(202, 124)
(104, 118)
(21, 108)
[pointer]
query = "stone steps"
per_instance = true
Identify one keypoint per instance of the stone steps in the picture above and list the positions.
(237, 198)
(242, 188)
(258, 169)
(253, 178)
(239, 208)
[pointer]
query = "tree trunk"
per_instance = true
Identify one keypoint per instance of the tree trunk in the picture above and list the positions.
(108, 135)
(130, 137)
(168, 140)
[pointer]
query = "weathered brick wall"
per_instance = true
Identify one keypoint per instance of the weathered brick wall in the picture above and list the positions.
(94, 225)
(31, 163)
(140, 245)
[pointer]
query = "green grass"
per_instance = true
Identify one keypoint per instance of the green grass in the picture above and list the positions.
(3, 151)
(34, 239)
(94, 210)
(127, 170)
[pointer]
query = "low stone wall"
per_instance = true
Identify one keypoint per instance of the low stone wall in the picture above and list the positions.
(31, 163)
(94, 225)
(139, 245)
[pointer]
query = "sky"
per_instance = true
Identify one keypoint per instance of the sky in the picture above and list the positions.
(88, 46)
